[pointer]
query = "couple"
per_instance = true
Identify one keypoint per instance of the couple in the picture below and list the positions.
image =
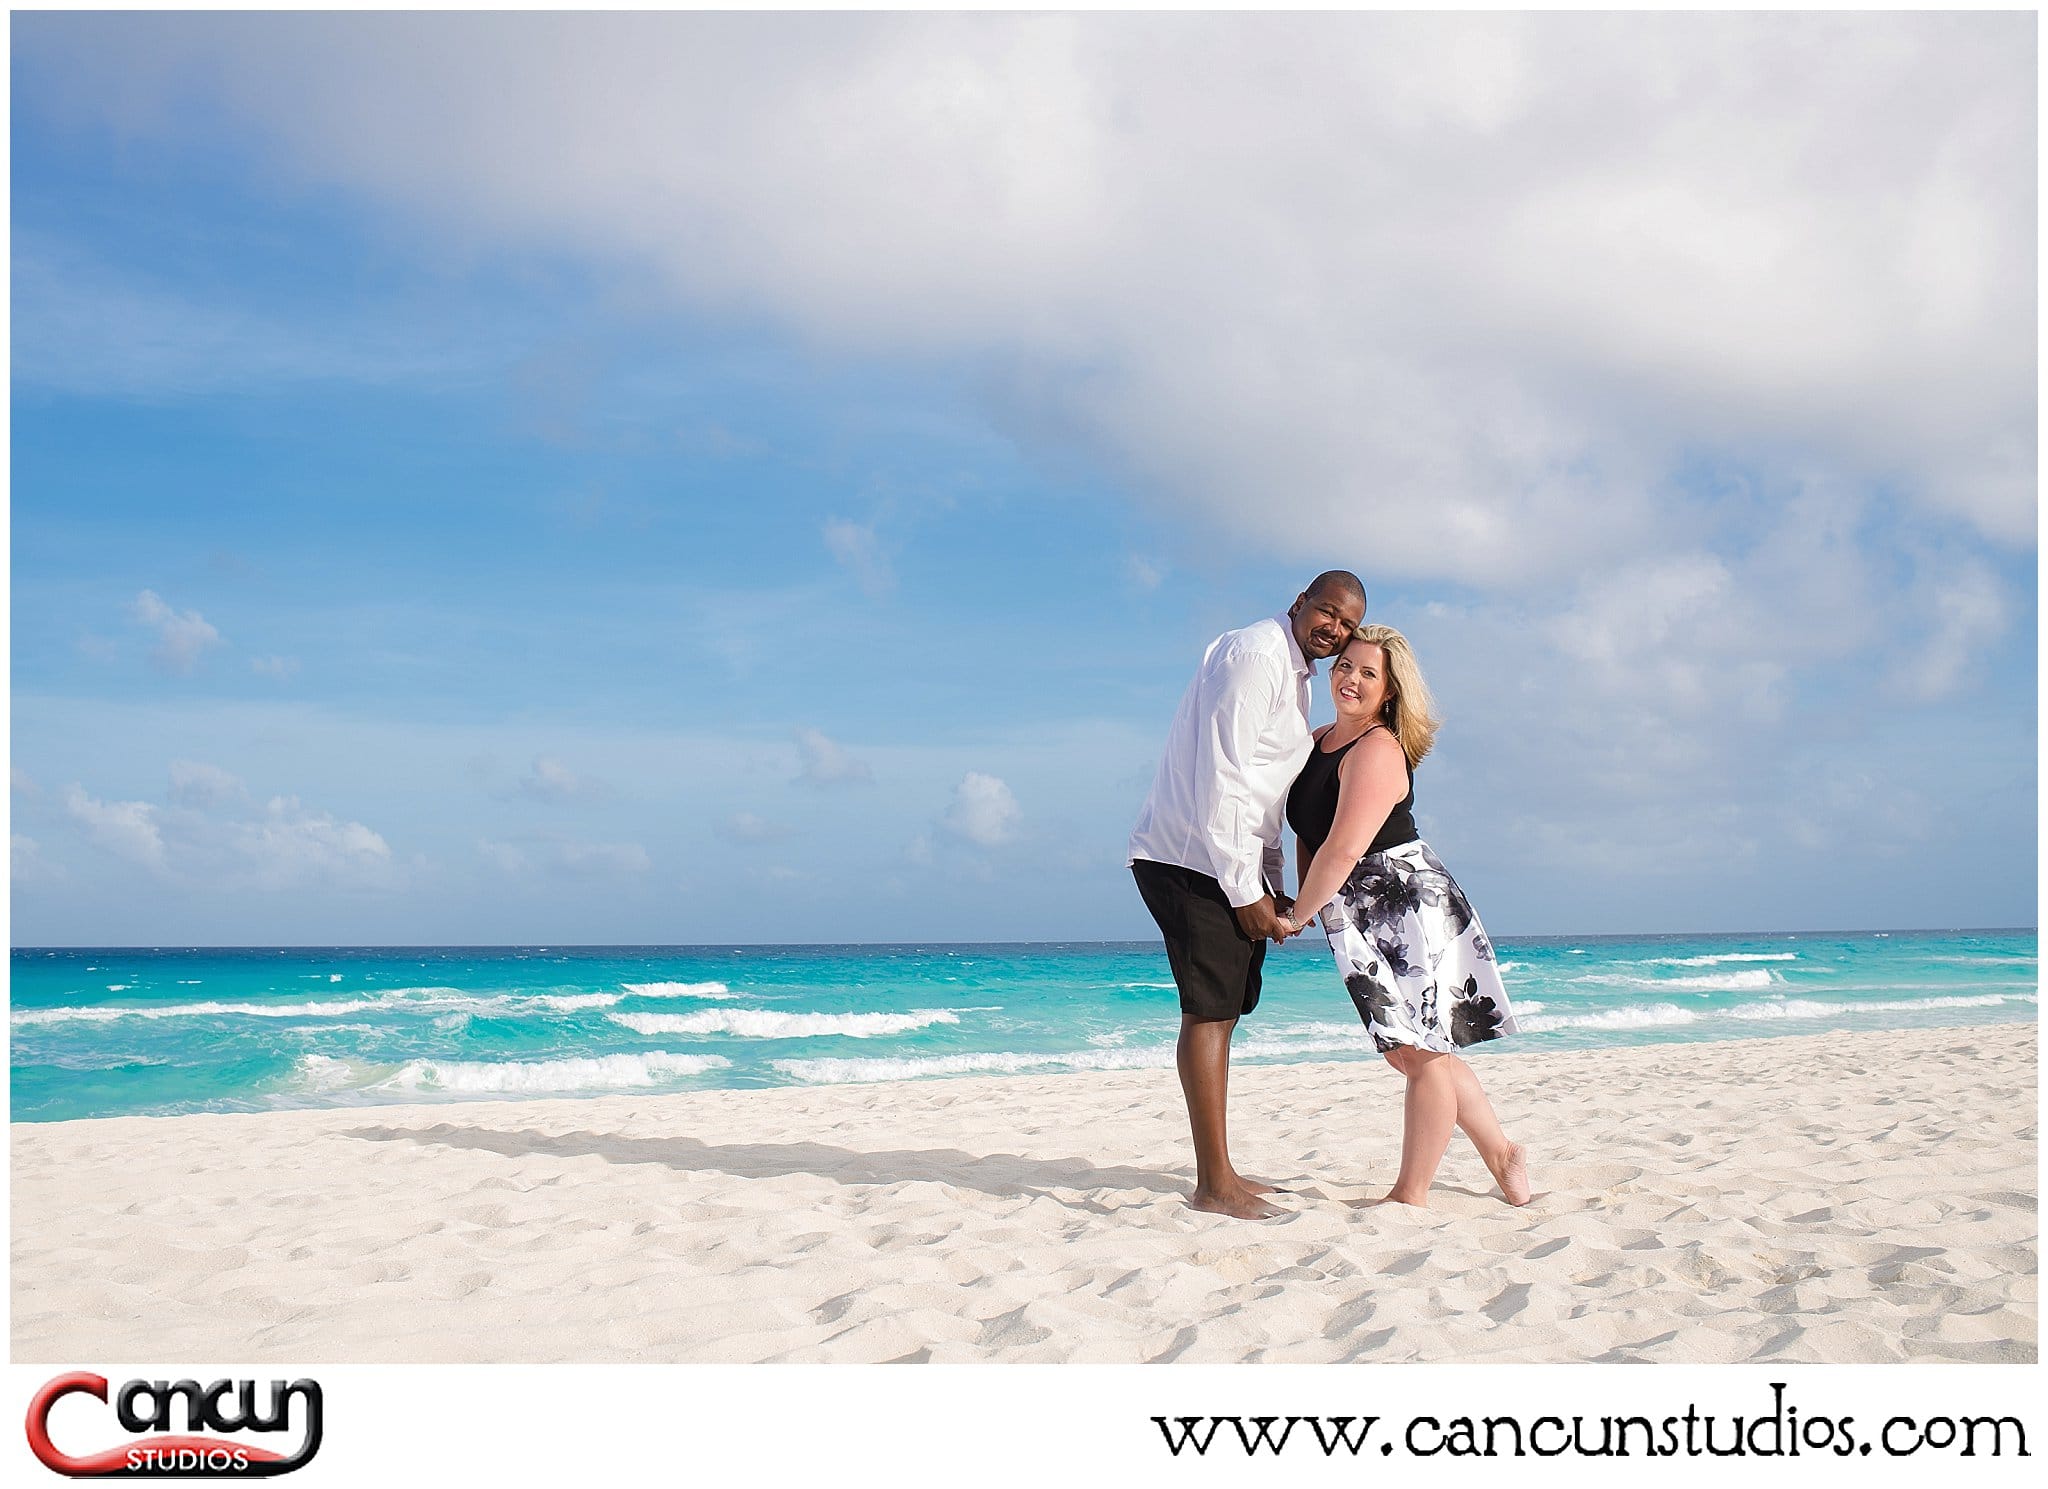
(1206, 855)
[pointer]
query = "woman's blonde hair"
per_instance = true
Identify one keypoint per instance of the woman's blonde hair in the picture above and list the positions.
(1410, 712)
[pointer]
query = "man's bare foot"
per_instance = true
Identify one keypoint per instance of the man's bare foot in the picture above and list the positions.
(1242, 1203)
(1513, 1174)
(1257, 1186)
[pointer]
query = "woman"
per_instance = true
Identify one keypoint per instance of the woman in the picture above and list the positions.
(1410, 950)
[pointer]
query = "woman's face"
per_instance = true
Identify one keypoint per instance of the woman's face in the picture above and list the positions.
(1358, 681)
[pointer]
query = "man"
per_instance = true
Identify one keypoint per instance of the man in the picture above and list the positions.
(1206, 850)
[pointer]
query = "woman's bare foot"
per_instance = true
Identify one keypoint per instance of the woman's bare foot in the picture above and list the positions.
(1241, 1203)
(1513, 1174)
(1396, 1197)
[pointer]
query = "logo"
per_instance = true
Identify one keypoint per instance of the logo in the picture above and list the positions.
(147, 1406)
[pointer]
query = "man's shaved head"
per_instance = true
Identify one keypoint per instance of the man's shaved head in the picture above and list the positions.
(1339, 581)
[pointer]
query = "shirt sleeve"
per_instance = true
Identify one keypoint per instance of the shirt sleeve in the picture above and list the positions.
(1239, 690)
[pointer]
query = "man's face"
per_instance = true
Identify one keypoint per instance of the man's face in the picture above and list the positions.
(1324, 621)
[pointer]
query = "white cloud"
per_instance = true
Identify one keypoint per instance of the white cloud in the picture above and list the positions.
(983, 811)
(1955, 612)
(24, 784)
(195, 784)
(291, 844)
(181, 636)
(280, 668)
(551, 780)
(603, 858)
(27, 864)
(507, 858)
(860, 554)
(1471, 287)
(1145, 573)
(127, 829)
(750, 827)
(566, 858)
(824, 762)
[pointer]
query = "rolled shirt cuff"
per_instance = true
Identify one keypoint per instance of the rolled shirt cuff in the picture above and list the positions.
(1242, 886)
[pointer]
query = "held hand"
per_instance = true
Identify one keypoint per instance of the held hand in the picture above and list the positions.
(1258, 919)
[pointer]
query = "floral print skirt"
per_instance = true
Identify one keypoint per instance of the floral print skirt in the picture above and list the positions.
(1413, 956)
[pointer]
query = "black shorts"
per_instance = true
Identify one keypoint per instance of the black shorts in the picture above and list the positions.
(1215, 964)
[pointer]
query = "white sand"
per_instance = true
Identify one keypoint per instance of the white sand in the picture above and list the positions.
(1832, 1198)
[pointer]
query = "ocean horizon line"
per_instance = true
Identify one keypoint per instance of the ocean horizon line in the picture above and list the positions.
(672, 946)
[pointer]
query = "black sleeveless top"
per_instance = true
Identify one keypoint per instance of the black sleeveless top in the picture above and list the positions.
(1312, 805)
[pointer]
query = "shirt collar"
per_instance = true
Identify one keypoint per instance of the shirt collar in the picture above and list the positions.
(1303, 667)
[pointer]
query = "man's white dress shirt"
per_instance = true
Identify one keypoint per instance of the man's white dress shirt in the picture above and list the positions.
(1239, 738)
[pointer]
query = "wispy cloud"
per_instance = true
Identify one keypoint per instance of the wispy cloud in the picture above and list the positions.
(82, 326)
(281, 668)
(750, 827)
(182, 636)
(859, 552)
(983, 811)
(127, 829)
(1144, 574)
(825, 762)
(291, 844)
(552, 781)
(196, 784)
(566, 858)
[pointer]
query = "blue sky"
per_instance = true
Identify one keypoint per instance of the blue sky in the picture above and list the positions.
(670, 479)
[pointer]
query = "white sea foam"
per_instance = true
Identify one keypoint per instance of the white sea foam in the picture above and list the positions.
(1630, 1016)
(1712, 982)
(1806, 1008)
(760, 1023)
(334, 977)
(568, 1002)
(325, 1072)
(1511, 966)
(679, 989)
(1134, 985)
(594, 1073)
(184, 1010)
(439, 1000)
(119, 987)
(1335, 1039)
(1000, 1062)
(1715, 961)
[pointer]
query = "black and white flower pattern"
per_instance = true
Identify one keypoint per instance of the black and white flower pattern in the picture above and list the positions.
(1414, 957)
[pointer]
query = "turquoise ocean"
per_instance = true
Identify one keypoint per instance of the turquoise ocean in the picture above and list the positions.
(104, 1033)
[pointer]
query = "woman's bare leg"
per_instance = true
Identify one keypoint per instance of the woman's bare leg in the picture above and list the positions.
(1429, 1114)
(1444, 1092)
(1505, 1160)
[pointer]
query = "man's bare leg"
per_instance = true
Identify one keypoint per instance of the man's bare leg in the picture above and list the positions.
(1203, 1058)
